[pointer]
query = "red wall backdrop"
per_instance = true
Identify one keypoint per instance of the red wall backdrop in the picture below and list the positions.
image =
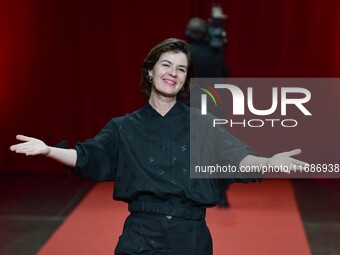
(68, 66)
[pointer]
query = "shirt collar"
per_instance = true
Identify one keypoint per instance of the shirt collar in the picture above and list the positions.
(177, 109)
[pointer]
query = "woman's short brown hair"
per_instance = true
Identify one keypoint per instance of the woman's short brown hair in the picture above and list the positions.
(171, 44)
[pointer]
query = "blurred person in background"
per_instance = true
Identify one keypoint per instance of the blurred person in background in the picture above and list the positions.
(209, 62)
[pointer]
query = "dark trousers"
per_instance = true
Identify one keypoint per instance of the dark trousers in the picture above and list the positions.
(157, 234)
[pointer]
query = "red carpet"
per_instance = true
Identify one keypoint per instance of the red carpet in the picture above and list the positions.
(264, 219)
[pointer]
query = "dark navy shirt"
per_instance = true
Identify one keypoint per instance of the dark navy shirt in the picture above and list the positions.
(147, 155)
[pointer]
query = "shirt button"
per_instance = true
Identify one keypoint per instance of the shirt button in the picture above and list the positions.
(169, 217)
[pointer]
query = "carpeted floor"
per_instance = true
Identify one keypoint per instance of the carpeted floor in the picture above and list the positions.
(59, 214)
(264, 219)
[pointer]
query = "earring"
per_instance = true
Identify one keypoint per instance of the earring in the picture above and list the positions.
(150, 78)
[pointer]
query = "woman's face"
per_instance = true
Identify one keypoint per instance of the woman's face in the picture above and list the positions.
(169, 73)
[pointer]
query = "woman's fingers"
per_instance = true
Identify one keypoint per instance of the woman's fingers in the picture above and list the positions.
(19, 148)
(299, 162)
(24, 146)
(296, 161)
(293, 152)
(29, 146)
(14, 147)
(286, 159)
(28, 150)
(23, 138)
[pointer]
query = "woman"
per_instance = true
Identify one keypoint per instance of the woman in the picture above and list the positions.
(146, 154)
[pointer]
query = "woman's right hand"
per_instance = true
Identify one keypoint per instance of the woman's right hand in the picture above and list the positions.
(30, 146)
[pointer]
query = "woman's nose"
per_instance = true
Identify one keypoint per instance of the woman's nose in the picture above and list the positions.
(173, 72)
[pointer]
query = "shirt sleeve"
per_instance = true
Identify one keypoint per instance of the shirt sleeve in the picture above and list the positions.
(230, 151)
(97, 157)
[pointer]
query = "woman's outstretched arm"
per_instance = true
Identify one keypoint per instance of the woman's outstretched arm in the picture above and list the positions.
(31, 146)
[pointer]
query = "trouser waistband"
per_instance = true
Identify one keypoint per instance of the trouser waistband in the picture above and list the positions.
(174, 210)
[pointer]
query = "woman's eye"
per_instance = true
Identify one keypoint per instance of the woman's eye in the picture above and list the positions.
(182, 70)
(167, 65)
